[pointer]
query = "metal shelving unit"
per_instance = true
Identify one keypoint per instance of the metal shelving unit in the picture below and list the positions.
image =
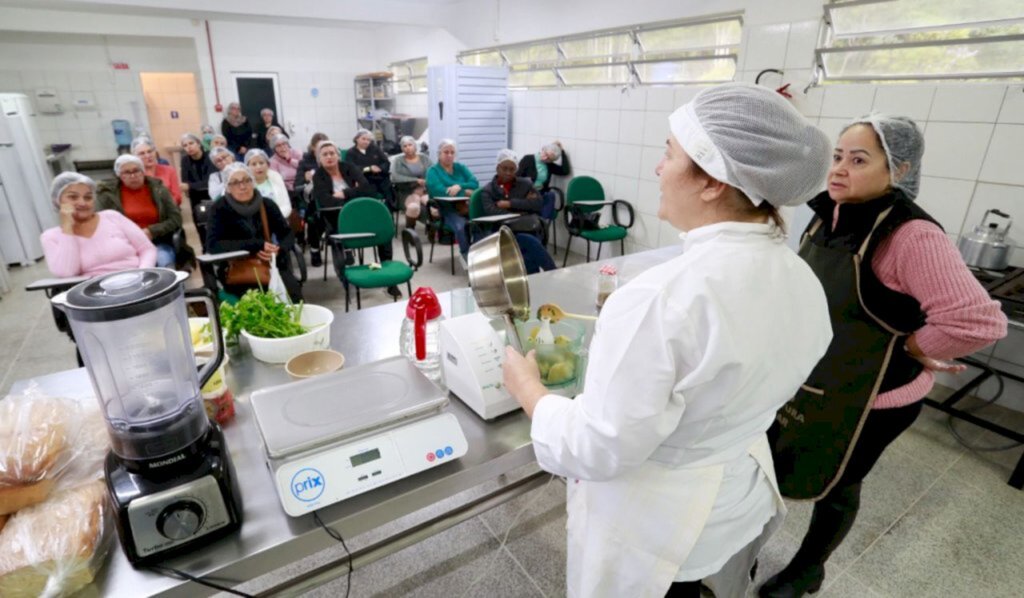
(374, 91)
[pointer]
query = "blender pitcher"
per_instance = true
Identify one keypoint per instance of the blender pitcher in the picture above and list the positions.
(132, 330)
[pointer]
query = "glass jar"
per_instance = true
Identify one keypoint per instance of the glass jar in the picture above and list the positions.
(607, 282)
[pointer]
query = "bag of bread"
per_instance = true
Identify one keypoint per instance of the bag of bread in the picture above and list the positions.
(54, 548)
(37, 441)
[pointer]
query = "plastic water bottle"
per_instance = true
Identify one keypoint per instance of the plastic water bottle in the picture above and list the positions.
(420, 332)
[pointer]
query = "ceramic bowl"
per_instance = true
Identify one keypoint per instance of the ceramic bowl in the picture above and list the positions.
(314, 363)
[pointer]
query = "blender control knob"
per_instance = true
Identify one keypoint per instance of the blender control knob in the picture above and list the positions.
(180, 520)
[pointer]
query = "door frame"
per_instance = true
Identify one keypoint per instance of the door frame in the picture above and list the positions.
(235, 75)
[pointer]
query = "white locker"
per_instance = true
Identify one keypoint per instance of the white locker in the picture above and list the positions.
(470, 105)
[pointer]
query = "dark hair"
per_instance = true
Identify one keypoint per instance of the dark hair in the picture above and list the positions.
(315, 139)
(741, 204)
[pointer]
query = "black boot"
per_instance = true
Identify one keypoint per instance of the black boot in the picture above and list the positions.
(394, 291)
(314, 258)
(831, 521)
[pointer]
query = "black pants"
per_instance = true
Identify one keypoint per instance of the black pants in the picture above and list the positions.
(683, 589)
(835, 512)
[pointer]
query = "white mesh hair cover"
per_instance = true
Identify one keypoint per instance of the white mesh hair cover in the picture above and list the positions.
(903, 143)
(750, 137)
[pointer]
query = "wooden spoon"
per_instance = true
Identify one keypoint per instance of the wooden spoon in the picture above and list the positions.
(555, 313)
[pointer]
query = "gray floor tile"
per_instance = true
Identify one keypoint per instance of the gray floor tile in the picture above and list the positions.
(956, 541)
(929, 442)
(777, 553)
(846, 586)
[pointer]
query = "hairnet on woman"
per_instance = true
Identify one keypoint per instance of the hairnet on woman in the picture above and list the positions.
(902, 303)
(670, 478)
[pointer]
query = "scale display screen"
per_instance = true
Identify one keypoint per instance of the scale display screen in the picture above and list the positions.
(365, 457)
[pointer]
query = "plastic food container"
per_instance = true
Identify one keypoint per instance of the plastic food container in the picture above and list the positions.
(315, 318)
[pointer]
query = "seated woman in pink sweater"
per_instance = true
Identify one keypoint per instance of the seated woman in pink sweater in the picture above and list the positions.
(902, 302)
(87, 242)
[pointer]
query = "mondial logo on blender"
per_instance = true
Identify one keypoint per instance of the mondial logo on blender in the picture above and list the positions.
(308, 484)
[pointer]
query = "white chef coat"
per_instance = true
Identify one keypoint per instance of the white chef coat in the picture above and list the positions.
(669, 467)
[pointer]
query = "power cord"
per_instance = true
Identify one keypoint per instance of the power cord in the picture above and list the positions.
(172, 572)
(982, 449)
(504, 540)
(337, 536)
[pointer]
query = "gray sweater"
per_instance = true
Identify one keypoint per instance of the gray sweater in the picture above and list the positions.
(400, 170)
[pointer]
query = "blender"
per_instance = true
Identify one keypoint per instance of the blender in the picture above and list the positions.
(168, 474)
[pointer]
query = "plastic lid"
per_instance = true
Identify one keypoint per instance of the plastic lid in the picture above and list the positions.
(122, 294)
(425, 299)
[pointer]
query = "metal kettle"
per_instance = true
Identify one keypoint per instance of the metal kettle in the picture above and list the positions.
(986, 247)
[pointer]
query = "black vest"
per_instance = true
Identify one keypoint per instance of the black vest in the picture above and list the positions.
(898, 310)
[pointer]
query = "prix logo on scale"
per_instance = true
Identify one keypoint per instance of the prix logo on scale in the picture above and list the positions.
(308, 484)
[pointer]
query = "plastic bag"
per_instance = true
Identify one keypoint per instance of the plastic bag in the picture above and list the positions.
(54, 548)
(47, 443)
(276, 285)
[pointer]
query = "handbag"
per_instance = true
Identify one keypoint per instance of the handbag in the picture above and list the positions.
(251, 271)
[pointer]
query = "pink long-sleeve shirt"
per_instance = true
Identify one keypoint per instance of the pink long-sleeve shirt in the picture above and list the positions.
(919, 260)
(117, 244)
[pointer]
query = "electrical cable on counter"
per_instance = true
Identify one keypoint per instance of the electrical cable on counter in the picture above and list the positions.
(963, 441)
(172, 572)
(504, 540)
(337, 536)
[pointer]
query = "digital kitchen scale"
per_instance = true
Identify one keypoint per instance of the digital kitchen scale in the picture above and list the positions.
(334, 436)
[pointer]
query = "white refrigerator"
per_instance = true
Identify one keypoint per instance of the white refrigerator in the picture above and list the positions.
(25, 207)
(470, 105)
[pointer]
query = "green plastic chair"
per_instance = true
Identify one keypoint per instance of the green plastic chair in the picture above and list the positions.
(370, 217)
(585, 188)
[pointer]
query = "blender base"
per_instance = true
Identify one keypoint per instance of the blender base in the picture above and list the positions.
(160, 517)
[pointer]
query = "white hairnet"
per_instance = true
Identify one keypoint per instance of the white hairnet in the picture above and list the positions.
(219, 150)
(256, 153)
(234, 167)
(218, 136)
(64, 180)
(750, 137)
(507, 154)
(124, 159)
(408, 139)
(552, 150)
(192, 137)
(360, 133)
(322, 145)
(140, 141)
(278, 140)
(903, 143)
(446, 142)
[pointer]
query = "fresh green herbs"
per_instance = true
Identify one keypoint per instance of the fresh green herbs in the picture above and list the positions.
(262, 314)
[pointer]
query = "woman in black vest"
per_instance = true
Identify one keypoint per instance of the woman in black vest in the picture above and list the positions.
(902, 302)
(367, 156)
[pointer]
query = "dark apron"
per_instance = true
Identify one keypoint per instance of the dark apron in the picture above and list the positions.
(814, 433)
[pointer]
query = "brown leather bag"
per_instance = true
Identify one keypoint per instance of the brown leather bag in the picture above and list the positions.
(251, 271)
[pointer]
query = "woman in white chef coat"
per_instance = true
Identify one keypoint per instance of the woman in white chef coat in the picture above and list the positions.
(670, 478)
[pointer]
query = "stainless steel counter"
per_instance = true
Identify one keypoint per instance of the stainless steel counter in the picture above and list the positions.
(270, 539)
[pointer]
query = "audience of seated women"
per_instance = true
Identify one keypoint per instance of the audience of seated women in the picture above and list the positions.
(508, 194)
(236, 130)
(409, 179)
(87, 242)
(236, 224)
(367, 156)
(145, 149)
(451, 179)
(221, 157)
(145, 201)
(552, 160)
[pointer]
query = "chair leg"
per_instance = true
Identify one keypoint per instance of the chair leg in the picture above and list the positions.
(588, 251)
(599, 246)
(565, 259)
(359, 299)
(554, 233)
(452, 253)
(346, 298)
(622, 246)
(408, 287)
(431, 250)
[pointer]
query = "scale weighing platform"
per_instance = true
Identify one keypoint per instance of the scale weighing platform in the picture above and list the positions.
(334, 436)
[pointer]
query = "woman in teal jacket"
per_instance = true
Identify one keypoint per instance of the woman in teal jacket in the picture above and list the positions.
(449, 178)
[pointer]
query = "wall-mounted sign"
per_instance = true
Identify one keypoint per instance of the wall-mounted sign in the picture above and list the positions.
(120, 66)
(174, 114)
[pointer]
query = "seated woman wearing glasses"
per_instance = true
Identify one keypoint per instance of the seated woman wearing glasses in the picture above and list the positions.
(236, 224)
(147, 203)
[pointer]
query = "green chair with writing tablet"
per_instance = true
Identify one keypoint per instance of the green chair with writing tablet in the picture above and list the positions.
(584, 200)
(365, 223)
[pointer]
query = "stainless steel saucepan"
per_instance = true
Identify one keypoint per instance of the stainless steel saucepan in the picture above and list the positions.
(498, 279)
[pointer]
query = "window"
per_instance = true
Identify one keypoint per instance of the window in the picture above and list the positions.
(409, 76)
(888, 40)
(690, 51)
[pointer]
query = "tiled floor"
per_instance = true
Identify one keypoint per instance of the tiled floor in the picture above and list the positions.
(937, 519)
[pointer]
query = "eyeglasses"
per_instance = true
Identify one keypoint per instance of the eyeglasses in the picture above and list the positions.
(240, 183)
(131, 172)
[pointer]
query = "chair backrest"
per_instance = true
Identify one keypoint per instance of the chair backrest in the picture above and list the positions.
(366, 215)
(476, 205)
(342, 154)
(584, 188)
